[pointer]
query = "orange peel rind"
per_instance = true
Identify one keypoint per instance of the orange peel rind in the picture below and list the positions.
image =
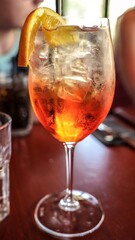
(40, 16)
(55, 30)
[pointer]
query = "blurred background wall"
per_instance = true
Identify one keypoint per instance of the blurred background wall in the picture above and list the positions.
(97, 8)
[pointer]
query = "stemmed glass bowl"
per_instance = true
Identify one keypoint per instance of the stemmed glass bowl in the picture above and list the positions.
(71, 85)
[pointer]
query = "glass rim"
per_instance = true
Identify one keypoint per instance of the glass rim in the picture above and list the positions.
(82, 23)
(86, 21)
(7, 121)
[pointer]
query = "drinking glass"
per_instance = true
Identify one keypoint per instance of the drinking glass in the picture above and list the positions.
(5, 156)
(71, 87)
(14, 100)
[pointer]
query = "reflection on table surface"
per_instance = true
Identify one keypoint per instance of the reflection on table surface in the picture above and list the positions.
(38, 168)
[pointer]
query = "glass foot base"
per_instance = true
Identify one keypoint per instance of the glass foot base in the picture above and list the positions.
(60, 223)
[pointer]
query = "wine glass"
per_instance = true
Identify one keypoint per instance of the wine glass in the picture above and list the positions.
(71, 88)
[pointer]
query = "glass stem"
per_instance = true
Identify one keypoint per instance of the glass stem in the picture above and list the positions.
(69, 150)
(69, 203)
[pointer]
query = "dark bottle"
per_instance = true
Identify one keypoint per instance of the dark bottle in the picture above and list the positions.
(14, 100)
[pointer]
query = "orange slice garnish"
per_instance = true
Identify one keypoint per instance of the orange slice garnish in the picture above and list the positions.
(44, 17)
(62, 35)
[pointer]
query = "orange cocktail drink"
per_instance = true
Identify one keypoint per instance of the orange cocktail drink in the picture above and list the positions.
(71, 82)
(71, 86)
(70, 107)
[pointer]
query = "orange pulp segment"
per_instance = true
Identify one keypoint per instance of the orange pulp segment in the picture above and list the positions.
(61, 36)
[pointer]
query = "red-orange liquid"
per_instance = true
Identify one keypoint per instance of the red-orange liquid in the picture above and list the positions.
(66, 119)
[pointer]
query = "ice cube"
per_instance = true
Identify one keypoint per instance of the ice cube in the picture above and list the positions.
(39, 58)
(73, 88)
(84, 48)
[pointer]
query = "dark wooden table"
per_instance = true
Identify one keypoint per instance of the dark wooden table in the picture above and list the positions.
(38, 168)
